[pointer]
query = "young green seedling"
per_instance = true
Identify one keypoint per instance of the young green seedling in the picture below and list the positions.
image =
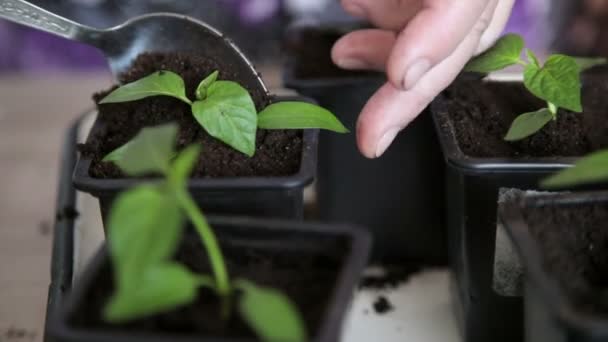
(593, 168)
(226, 110)
(557, 81)
(146, 224)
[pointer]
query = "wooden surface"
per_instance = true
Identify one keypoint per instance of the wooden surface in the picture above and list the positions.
(35, 110)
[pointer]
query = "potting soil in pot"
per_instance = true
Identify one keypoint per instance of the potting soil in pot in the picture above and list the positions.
(278, 152)
(306, 277)
(574, 249)
(482, 113)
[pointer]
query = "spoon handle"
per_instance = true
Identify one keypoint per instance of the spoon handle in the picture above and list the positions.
(25, 13)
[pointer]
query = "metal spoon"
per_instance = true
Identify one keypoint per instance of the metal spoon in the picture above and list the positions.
(159, 32)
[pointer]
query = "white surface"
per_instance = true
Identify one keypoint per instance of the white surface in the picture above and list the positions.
(422, 312)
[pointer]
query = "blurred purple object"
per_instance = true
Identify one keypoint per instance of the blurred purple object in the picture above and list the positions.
(258, 11)
(24, 49)
(530, 19)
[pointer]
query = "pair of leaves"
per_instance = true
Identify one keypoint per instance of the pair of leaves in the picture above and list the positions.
(557, 81)
(145, 227)
(226, 110)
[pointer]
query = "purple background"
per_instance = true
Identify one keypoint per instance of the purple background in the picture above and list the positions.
(259, 22)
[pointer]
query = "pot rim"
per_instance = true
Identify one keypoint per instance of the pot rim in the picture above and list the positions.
(467, 164)
(305, 175)
(511, 216)
(347, 279)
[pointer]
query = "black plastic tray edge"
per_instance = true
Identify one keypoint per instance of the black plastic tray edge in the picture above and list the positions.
(511, 217)
(354, 264)
(471, 165)
(63, 238)
(305, 175)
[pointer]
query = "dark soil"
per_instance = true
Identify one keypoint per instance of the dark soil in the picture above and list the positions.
(574, 244)
(482, 112)
(306, 276)
(382, 305)
(310, 49)
(395, 275)
(278, 152)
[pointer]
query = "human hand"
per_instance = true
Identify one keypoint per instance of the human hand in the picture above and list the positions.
(422, 45)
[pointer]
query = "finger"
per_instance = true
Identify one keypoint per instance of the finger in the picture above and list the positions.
(389, 15)
(364, 49)
(391, 109)
(497, 25)
(433, 35)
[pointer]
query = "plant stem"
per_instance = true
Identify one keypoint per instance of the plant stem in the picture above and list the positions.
(209, 241)
(553, 109)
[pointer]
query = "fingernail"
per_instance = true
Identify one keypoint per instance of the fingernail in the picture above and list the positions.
(351, 63)
(386, 140)
(354, 9)
(415, 72)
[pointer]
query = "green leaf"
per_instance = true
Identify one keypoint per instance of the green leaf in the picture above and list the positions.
(298, 115)
(150, 151)
(592, 168)
(162, 287)
(527, 124)
(159, 83)
(201, 90)
(270, 313)
(532, 57)
(144, 228)
(585, 63)
(505, 52)
(183, 165)
(558, 82)
(229, 114)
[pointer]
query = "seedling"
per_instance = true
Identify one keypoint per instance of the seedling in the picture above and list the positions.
(145, 227)
(226, 110)
(593, 168)
(557, 81)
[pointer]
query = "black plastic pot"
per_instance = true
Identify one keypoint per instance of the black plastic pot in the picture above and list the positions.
(549, 314)
(472, 188)
(398, 196)
(263, 235)
(280, 197)
(63, 230)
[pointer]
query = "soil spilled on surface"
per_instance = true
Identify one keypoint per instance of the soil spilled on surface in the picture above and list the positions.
(278, 152)
(482, 112)
(393, 276)
(383, 305)
(307, 276)
(574, 245)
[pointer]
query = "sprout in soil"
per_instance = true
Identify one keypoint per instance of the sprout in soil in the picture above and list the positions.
(146, 224)
(226, 110)
(557, 81)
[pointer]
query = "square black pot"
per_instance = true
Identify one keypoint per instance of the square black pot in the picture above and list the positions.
(280, 197)
(399, 196)
(263, 236)
(549, 313)
(472, 189)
